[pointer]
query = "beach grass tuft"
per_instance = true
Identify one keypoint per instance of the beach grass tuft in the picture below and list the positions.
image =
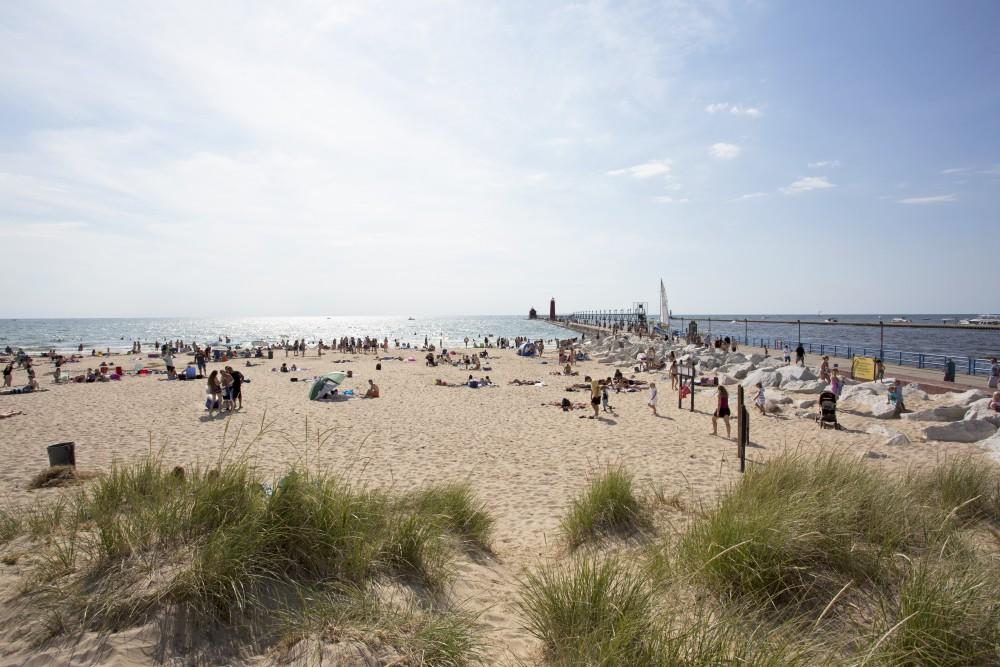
(947, 612)
(224, 544)
(605, 612)
(454, 507)
(798, 528)
(966, 487)
(608, 505)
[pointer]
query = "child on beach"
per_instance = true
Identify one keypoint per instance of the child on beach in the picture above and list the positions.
(836, 382)
(788, 355)
(721, 412)
(604, 397)
(759, 401)
(652, 398)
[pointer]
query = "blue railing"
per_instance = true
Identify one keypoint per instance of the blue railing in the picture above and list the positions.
(968, 365)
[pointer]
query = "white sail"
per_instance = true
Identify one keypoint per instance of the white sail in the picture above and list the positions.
(664, 310)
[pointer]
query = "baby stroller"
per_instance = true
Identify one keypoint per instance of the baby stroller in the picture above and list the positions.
(828, 410)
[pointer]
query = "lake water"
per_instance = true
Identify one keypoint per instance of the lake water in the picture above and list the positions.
(118, 333)
(955, 342)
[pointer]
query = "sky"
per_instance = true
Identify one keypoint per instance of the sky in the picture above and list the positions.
(463, 157)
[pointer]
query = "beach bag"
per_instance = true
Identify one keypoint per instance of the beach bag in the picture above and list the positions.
(208, 403)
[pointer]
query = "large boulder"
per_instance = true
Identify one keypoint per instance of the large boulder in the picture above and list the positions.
(770, 362)
(805, 404)
(740, 371)
(804, 386)
(939, 413)
(966, 397)
(796, 374)
(992, 446)
(891, 437)
(756, 358)
(972, 430)
(869, 388)
(777, 398)
(727, 379)
(981, 410)
(767, 378)
(913, 391)
(868, 405)
(735, 358)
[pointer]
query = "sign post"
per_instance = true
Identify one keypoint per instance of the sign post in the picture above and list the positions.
(863, 368)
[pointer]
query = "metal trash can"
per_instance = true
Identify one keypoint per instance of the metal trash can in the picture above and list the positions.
(62, 454)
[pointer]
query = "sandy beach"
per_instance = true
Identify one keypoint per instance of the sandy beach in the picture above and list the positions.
(524, 457)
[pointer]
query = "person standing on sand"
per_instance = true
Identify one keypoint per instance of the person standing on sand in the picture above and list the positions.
(8, 374)
(604, 397)
(214, 391)
(800, 355)
(199, 360)
(994, 374)
(788, 354)
(721, 412)
(824, 369)
(226, 380)
(836, 382)
(595, 396)
(237, 391)
(652, 398)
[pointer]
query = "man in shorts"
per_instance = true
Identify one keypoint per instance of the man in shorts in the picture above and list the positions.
(236, 391)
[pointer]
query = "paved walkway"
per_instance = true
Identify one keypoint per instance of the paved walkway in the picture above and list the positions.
(930, 380)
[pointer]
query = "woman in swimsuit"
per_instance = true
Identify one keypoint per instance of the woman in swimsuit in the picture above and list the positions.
(721, 412)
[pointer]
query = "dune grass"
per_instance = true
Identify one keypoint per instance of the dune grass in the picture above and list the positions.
(221, 544)
(605, 612)
(608, 505)
(947, 613)
(807, 560)
(799, 528)
(966, 487)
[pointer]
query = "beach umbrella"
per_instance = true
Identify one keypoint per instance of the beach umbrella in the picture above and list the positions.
(330, 380)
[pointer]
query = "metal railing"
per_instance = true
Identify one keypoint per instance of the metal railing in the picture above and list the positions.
(966, 364)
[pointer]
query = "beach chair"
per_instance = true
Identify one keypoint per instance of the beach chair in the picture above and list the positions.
(828, 410)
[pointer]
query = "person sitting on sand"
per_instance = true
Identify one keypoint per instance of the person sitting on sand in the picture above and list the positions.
(372, 390)
(283, 369)
(759, 401)
(430, 359)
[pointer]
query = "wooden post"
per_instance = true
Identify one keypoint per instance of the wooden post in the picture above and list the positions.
(691, 366)
(742, 428)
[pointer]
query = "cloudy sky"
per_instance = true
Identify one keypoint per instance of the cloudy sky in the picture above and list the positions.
(421, 158)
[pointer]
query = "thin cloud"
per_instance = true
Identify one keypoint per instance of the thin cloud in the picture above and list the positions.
(956, 170)
(938, 199)
(752, 195)
(723, 151)
(644, 170)
(667, 199)
(807, 184)
(734, 109)
(824, 163)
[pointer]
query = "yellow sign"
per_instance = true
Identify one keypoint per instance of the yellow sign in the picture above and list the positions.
(863, 368)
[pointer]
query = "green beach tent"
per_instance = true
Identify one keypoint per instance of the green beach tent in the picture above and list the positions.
(325, 384)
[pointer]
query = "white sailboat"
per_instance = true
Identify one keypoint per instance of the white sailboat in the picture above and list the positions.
(664, 325)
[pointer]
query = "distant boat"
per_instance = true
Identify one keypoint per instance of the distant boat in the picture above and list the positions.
(410, 318)
(946, 320)
(982, 320)
(830, 320)
(900, 320)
